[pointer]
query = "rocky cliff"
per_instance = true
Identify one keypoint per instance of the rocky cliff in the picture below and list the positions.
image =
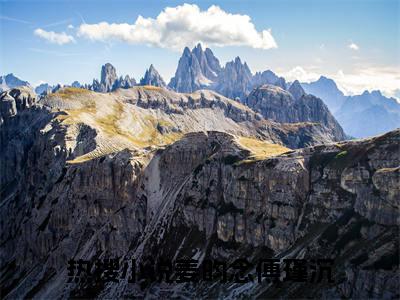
(168, 192)
(292, 106)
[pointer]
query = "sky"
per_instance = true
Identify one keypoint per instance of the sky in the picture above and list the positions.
(356, 43)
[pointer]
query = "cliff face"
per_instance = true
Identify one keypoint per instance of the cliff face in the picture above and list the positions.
(207, 195)
(292, 106)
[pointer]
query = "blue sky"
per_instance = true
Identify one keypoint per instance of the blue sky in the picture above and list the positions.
(355, 42)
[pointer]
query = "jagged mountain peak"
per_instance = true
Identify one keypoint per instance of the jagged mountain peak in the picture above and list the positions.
(196, 69)
(109, 81)
(152, 77)
(327, 81)
(296, 90)
(198, 48)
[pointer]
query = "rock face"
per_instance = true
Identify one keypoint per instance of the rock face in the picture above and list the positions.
(152, 77)
(203, 196)
(279, 105)
(296, 90)
(109, 80)
(108, 77)
(196, 69)
(235, 80)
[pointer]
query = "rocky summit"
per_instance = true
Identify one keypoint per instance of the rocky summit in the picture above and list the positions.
(200, 69)
(196, 69)
(109, 80)
(146, 171)
(152, 77)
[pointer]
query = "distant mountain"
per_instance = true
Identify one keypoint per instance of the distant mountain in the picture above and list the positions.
(152, 77)
(363, 115)
(369, 114)
(196, 69)
(327, 90)
(43, 88)
(109, 80)
(76, 84)
(10, 81)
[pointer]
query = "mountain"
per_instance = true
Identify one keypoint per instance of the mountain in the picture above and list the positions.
(10, 81)
(43, 88)
(109, 80)
(147, 174)
(196, 69)
(235, 80)
(278, 105)
(369, 114)
(76, 84)
(326, 89)
(363, 115)
(296, 90)
(152, 77)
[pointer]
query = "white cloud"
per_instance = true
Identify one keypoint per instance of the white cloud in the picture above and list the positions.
(54, 37)
(353, 46)
(70, 26)
(184, 25)
(300, 74)
(386, 79)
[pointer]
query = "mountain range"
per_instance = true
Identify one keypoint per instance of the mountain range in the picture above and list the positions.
(114, 169)
(200, 69)
(368, 114)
